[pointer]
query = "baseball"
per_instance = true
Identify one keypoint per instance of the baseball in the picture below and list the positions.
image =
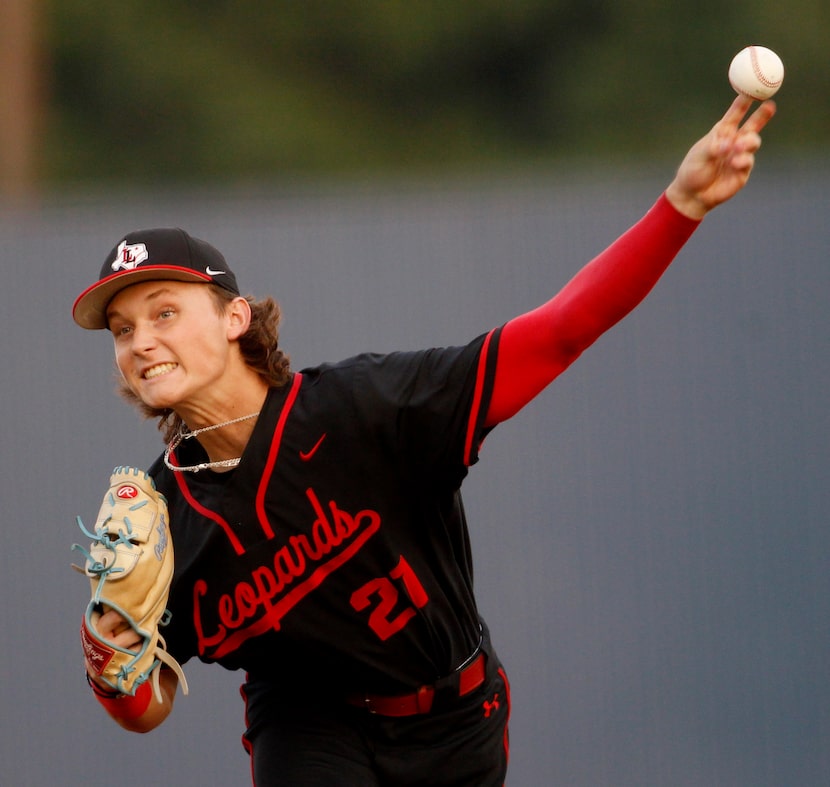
(756, 72)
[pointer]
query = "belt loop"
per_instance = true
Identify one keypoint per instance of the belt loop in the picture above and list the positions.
(423, 698)
(473, 675)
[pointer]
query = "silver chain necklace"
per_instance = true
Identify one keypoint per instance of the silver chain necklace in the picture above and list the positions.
(185, 434)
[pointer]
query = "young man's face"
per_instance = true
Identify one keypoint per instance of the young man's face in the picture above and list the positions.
(172, 344)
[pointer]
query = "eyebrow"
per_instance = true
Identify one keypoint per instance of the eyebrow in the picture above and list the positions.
(111, 314)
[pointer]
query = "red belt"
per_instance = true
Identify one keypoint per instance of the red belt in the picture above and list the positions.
(420, 700)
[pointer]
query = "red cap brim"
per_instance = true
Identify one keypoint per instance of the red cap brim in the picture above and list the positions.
(90, 309)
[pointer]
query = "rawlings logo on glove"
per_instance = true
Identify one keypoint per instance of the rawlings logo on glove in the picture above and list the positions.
(130, 567)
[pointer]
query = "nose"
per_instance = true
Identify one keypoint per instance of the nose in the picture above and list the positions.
(143, 338)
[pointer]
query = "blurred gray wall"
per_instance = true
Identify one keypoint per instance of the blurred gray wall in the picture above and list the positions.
(651, 533)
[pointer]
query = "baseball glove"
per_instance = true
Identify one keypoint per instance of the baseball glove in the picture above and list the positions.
(130, 566)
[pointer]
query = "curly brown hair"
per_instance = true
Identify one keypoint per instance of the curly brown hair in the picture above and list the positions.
(259, 346)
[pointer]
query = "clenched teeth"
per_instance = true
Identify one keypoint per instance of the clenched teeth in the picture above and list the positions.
(155, 371)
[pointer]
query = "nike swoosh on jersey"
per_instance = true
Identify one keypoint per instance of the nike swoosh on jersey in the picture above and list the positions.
(306, 455)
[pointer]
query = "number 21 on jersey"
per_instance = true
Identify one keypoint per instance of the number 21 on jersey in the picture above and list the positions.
(387, 617)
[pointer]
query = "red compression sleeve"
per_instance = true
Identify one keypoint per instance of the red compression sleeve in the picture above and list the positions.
(125, 706)
(536, 347)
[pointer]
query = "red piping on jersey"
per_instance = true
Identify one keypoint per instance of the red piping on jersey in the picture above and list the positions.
(206, 512)
(503, 675)
(247, 744)
(272, 455)
(479, 389)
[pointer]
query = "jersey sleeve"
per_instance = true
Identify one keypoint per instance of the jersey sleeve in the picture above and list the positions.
(430, 404)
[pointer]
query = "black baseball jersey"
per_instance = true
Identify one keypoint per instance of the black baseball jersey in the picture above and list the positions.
(337, 551)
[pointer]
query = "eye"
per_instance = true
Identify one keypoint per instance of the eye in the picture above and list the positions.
(166, 314)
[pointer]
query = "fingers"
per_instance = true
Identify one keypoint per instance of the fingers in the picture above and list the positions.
(729, 128)
(736, 144)
(742, 162)
(760, 117)
(730, 123)
(129, 640)
(735, 114)
(115, 628)
(111, 622)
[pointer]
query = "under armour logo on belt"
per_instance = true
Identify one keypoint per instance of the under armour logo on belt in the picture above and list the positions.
(489, 707)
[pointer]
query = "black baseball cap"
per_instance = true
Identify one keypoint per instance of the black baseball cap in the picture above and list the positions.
(147, 255)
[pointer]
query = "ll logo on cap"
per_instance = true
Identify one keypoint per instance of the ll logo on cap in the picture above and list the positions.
(129, 256)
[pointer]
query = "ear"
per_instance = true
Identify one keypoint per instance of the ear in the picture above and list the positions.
(238, 315)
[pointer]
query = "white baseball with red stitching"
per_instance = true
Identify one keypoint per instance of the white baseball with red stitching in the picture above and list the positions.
(756, 72)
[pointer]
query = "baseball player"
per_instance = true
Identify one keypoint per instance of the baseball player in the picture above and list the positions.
(320, 540)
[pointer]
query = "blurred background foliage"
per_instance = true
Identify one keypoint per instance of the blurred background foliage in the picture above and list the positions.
(142, 91)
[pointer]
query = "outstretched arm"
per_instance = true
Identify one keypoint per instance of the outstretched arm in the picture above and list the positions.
(537, 347)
